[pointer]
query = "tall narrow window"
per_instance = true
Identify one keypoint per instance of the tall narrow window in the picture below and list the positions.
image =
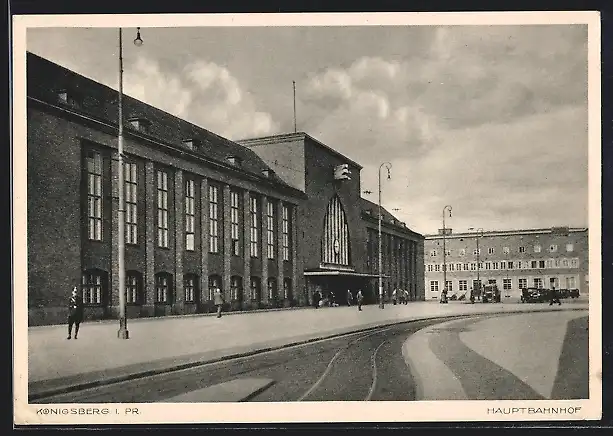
(272, 289)
(213, 219)
(255, 233)
(335, 242)
(236, 288)
(190, 285)
(255, 288)
(162, 209)
(163, 288)
(234, 222)
(93, 287)
(190, 215)
(285, 217)
(133, 287)
(94, 195)
(270, 230)
(130, 197)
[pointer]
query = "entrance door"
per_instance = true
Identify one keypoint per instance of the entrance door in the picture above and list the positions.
(553, 283)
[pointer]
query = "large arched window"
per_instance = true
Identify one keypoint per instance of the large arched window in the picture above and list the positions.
(335, 241)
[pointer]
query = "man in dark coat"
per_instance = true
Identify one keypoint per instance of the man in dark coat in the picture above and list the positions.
(218, 300)
(360, 298)
(553, 297)
(75, 312)
(349, 297)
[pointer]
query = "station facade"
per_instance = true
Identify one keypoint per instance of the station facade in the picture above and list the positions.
(201, 212)
(512, 259)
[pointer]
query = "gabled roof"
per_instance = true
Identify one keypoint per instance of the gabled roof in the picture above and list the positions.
(45, 79)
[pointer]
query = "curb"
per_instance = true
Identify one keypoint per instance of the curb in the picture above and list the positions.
(178, 367)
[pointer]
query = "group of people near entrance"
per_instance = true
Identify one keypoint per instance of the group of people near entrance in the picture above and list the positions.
(320, 301)
(400, 296)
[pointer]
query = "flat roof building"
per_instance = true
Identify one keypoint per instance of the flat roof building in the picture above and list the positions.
(512, 259)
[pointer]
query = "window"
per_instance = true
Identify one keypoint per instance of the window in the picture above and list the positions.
(287, 288)
(488, 266)
(190, 285)
(430, 267)
(473, 266)
(433, 285)
(437, 268)
(94, 287)
(162, 209)
(510, 264)
(506, 284)
(533, 264)
(130, 198)
(463, 252)
(506, 250)
(272, 288)
(465, 267)
(255, 231)
(133, 287)
(447, 252)
(458, 267)
(494, 265)
(491, 281)
(537, 248)
(503, 265)
(451, 267)
(574, 263)
(270, 230)
(449, 286)
(523, 283)
(190, 215)
(565, 263)
(490, 250)
(234, 222)
(558, 263)
(213, 219)
(94, 195)
(476, 284)
(571, 283)
(541, 264)
(480, 265)
(553, 248)
(432, 253)
(549, 263)
(522, 249)
(570, 247)
(463, 285)
(163, 283)
(255, 288)
(538, 282)
(236, 288)
(214, 283)
(285, 229)
(476, 251)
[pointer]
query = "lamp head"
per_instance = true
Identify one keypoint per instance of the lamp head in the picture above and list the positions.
(138, 41)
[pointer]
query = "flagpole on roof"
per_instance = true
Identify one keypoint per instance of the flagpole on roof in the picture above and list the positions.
(294, 83)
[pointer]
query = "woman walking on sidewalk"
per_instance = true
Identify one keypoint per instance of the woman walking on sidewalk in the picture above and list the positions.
(218, 300)
(360, 298)
(75, 312)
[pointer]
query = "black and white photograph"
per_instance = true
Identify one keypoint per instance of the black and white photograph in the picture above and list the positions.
(315, 218)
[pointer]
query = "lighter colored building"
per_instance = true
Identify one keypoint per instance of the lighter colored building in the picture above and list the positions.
(512, 259)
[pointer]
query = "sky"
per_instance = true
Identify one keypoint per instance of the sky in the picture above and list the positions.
(491, 120)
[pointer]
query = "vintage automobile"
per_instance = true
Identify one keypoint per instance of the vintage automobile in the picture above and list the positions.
(534, 295)
(490, 294)
(568, 293)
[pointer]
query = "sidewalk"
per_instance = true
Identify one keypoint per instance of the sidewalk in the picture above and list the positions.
(513, 357)
(161, 344)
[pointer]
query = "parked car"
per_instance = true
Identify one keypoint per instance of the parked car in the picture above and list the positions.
(490, 294)
(534, 295)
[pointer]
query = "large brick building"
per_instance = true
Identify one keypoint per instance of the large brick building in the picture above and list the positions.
(201, 212)
(511, 259)
(334, 208)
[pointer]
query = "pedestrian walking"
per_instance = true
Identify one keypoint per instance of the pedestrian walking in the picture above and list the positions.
(75, 312)
(360, 298)
(553, 297)
(316, 298)
(218, 300)
(406, 297)
(394, 296)
(349, 297)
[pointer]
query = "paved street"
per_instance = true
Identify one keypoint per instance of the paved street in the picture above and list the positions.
(292, 372)
(483, 357)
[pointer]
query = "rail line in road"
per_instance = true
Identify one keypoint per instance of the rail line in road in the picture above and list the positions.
(356, 366)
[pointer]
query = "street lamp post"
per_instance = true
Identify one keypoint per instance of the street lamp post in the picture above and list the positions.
(388, 166)
(477, 236)
(445, 254)
(123, 319)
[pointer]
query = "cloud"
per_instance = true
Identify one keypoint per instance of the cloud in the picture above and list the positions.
(203, 93)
